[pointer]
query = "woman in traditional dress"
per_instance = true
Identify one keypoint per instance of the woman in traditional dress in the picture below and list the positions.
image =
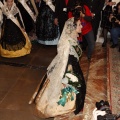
(29, 12)
(14, 40)
(63, 88)
(46, 31)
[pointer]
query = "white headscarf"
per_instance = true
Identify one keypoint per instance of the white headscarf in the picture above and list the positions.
(64, 48)
(14, 10)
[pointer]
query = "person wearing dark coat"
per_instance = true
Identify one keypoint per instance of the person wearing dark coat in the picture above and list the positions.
(14, 40)
(63, 12)
(105, 23)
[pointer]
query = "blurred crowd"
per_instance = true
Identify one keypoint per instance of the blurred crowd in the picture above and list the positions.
(45, 19)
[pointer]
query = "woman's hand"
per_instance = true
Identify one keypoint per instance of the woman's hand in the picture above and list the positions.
(56, 21)
(23, 29)
(82, 14)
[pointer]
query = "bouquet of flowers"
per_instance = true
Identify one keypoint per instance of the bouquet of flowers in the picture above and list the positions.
(67, 93)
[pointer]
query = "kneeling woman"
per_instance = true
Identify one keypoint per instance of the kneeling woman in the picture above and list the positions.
(63, 88)
(14, 40)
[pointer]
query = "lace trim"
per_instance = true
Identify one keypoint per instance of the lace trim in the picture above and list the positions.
(13, 11)
(75, 49)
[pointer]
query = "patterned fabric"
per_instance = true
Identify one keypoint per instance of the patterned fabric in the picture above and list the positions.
(46, 31)
(68, 54)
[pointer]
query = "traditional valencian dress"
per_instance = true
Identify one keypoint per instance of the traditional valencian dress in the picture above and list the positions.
(46, 31)
(52, 98)
(14, 41)
(29, 12)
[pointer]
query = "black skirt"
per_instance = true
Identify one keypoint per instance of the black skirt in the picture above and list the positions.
(80, 97)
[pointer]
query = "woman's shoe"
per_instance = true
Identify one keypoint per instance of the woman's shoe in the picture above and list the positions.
(104, 44)
(89, 59)
(114, 45)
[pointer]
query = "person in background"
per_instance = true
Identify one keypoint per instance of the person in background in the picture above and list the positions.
(14, 40)
(115, 31)
(96, 7)
(105, 23)
(63, 12)
(87, 31)
(47, 32)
